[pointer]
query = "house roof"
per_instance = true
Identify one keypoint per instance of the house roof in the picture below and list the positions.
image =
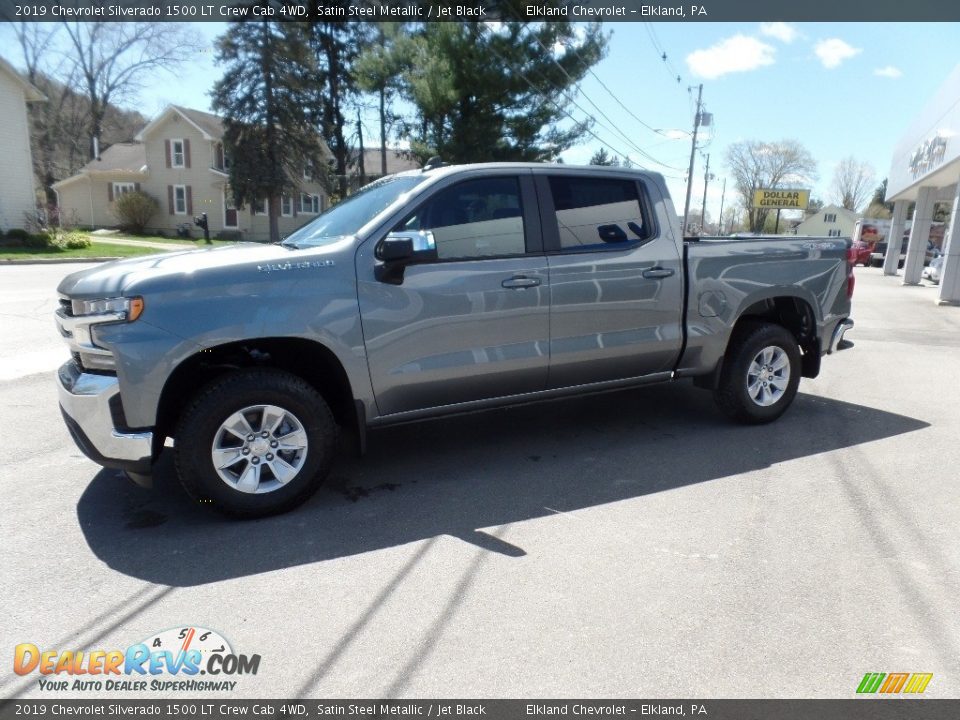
(848, 215)
(210, 126)
(118, 159)
(31, 92)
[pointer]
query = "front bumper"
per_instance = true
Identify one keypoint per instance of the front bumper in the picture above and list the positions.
(85, 401)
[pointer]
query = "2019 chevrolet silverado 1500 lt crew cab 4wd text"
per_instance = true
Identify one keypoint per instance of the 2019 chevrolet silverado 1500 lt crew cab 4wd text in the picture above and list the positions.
(438, 291)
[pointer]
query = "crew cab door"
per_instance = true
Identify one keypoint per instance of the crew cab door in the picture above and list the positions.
(616, 286)
(468, 319)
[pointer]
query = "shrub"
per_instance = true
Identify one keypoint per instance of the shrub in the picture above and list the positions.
(17, 236)
(74, 240)
(40, 240)
(134, 210)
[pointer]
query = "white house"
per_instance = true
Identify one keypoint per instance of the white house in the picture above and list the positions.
(18, 198)
(830, 221)
(178, 159)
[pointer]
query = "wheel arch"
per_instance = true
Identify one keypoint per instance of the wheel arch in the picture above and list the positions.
(308, 359)
(792, 311)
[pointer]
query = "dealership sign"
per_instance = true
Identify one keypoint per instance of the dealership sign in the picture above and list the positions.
(928, 155)
(773, 199)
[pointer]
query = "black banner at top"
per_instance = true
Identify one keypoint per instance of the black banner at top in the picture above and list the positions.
(480, 10)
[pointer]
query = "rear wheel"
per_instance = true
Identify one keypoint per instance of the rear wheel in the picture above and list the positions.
(255, 443)
(761, 373)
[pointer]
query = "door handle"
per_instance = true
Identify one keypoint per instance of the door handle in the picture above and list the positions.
(657, 272)
(520, 282)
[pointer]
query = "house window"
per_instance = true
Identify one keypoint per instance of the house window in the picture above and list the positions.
(833, 233)
(309, 204)
(286, 206)
(260, 207)
(830, 217)
(179, 199)
(120, 188)
(177, 153)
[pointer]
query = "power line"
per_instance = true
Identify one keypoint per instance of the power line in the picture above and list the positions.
(626, 138)
(674, 75)
(543, 95)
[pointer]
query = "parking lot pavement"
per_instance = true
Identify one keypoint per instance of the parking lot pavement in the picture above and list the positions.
(626, 545)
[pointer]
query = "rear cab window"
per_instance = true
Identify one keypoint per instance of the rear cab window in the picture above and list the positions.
(595, 213)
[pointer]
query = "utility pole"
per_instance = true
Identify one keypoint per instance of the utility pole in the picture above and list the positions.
(693, 155)
(703, 209)
(723, 196)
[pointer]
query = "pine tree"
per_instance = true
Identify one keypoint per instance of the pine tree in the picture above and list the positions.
(263, 97)
(505, 93)
(334, 47)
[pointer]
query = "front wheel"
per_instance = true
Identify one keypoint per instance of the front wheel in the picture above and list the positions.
(761, 373)
(255, 443)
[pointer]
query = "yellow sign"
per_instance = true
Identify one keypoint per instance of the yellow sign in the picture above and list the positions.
(781, 199)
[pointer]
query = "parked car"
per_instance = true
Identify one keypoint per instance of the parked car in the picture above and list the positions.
(440, 291)
(932, 271)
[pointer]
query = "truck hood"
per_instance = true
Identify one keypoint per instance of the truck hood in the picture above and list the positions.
(116, 278)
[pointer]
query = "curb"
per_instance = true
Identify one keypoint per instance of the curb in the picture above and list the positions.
(54, 261)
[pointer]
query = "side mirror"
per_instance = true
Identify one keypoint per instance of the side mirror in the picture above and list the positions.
(397, 250)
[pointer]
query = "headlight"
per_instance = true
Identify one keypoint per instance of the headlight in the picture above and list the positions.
(128, 309)
(79, 326)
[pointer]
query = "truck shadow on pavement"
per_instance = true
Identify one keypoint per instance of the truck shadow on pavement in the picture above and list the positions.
(456, 476)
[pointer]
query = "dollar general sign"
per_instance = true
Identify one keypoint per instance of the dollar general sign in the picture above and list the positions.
(781, 199)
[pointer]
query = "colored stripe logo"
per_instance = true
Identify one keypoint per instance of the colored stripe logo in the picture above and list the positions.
(894, 683)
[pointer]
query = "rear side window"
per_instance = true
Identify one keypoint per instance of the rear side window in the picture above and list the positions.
(597, 213)
(473, 219)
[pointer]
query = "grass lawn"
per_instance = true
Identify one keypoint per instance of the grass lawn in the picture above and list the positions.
(95, 250)
(195, 242)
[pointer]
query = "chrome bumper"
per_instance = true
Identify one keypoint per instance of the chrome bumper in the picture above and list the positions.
(837, 342)
(85, 401)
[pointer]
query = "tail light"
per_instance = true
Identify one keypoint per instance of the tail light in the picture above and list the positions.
(851, 261)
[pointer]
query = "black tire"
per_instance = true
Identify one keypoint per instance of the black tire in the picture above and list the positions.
(732, 395)
(201, 426)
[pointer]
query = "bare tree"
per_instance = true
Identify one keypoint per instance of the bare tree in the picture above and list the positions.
(111, 61)
(852, 181)
(755, 165)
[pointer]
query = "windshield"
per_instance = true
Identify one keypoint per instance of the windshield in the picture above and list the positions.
(351, 214)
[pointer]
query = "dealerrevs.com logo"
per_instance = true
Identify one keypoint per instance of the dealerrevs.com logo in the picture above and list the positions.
(168, 661)
(894, 683)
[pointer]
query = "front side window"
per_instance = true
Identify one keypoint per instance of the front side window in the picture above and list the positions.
(177, 151)
(473, 219)
(180, 199)
(597, 213)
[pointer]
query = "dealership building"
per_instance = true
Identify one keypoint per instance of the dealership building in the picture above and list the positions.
(926, 170)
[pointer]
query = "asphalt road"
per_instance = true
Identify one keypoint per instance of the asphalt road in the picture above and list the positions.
(627, 545)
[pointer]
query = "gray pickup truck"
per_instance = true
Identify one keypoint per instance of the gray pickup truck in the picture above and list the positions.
(439, 291)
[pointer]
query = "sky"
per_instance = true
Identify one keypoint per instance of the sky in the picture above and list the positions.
(840, 89)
